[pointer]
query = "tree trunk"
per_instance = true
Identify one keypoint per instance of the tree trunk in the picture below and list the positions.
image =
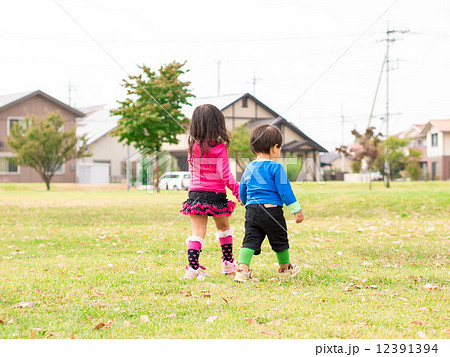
(47, 183)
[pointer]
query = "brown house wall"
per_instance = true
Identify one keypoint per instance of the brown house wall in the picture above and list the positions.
(38, 106)
(443, 167)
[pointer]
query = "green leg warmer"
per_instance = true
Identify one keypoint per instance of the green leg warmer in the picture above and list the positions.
(245, 256)
(283, 257)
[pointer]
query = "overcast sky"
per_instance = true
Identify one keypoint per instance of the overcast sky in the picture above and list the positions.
(287, 44)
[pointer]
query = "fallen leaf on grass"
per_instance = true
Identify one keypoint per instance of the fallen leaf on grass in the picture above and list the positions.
(275, 323)
(269, 333)
(144, 318)
(25, 304)
(72, 337)
(186, 293)
(431, 287)
(422, 334)
(417, 322)
(33, 334)
(109, 324)
(96, 292)
(61, 257)
(205, 294)
(53, 334)
(251, 321)
(212, 318)
(225, 300)
(125, 298)
(171, 316)
(271, 280)
(99, 326)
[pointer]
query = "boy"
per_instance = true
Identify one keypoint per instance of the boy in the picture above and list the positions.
(264, 188)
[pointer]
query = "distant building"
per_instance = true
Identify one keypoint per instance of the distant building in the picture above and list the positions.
(332, 164)
(14, 109)
(107, 152)
(437, 137)
(240, 109)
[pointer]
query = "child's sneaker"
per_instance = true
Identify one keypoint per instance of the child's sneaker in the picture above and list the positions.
(291, 271)
(196, 274)
(243, 277)
(229, 267)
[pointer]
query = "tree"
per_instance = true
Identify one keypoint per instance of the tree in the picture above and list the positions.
(368, 151)
(393, 149)
(412, 164)
(151, 114)
(45, 146)
(240, 148)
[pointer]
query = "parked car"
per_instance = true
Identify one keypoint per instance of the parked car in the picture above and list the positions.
(175, 180)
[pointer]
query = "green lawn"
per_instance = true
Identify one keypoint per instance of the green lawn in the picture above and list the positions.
(374, 264)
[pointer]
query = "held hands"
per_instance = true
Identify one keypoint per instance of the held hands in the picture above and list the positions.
(299, 217)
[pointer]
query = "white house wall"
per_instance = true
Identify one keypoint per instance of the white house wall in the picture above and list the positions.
(435, 151)
(446, 143)
(108, 149)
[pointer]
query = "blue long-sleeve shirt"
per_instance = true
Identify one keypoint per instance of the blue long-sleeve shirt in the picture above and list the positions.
(266, 182)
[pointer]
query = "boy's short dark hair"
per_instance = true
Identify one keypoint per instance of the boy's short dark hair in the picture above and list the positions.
(264, 137)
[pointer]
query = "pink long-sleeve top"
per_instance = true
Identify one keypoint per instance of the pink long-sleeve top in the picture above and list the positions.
(211, 172)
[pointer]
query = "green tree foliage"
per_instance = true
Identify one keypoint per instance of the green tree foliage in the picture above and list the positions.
(45, 146)
(392, 149)
(240, 146)
(356, 166)
(151, 114)
(412, 164)
(293, 170)
(368, 150)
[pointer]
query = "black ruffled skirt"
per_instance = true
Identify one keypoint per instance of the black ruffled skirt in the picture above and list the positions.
(207, 203)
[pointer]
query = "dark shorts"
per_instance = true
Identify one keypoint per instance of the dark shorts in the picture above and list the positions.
(263, 221)
(207, 203)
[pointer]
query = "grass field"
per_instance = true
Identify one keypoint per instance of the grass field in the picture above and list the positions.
(109, 264)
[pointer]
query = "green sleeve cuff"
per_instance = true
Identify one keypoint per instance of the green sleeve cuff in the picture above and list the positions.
(294, 207)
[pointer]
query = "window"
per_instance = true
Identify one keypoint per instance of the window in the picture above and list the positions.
(419, 143)
(15, 121)
(244, 102)
(7, 166)
(434, 170)
(434, 139)
(187, 176)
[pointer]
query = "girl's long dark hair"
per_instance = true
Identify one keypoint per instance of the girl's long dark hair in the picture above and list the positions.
(207, 128)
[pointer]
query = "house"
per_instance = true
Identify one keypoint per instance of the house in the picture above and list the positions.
(436, 134)
(108, 161)
(14, 109)
(240, 109)
(417, 141)
(335, 164)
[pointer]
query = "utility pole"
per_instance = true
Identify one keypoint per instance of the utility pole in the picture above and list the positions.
(388, 40)
(254, 80)
(71, 89)
(70, 94)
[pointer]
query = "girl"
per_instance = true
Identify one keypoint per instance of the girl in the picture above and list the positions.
(210, 175)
